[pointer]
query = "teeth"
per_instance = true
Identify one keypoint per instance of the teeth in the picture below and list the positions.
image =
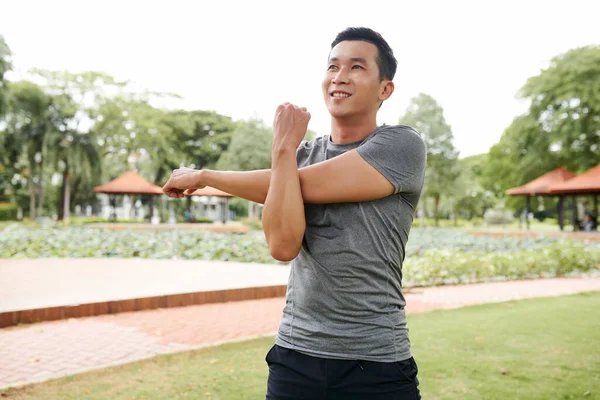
(341, 95)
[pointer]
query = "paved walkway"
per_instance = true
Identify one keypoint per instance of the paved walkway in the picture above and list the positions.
(52, 349)
(67, 281)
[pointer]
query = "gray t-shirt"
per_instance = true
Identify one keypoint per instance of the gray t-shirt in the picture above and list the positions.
(344, 297)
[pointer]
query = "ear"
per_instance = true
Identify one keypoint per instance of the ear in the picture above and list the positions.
(387, 89)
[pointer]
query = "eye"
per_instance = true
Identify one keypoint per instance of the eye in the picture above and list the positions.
(357, 66)
(331, 67)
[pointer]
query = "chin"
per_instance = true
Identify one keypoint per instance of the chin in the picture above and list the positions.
(339, 112)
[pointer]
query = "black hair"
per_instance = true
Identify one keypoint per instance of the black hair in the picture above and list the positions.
(386, 61)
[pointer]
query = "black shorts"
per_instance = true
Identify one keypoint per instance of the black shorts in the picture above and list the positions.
(297, 376)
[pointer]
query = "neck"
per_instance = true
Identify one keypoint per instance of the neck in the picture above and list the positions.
(350, 130)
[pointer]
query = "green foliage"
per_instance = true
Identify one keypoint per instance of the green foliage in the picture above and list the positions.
(204, 220)
(565, 102)
(5, 66)
(8, 211)
(433, 256)
(498, 217)
(95, 242)
(250, 148)
(452, 266)
(27, 125)
(254, 224)
(561, 128)
(100, 220)
(202, 136)
(447, 223)
(89, 128)
(239, 206)
(427, 116)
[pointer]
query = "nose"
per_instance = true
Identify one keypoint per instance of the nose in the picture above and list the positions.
(340, 77)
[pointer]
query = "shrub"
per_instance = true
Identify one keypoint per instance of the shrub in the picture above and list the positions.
(204, 220)
(8, 211)
(497, 217)
(452, 266)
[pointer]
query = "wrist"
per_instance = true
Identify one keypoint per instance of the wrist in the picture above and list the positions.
(283, 151)
(201, 178)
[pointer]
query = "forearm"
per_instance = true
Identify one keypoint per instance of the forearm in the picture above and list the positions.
(283, 214)
(250, 185)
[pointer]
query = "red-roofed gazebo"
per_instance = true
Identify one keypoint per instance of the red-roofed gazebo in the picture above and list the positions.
(208, 191)
(541, 187)
(587, 184)
(129, 183)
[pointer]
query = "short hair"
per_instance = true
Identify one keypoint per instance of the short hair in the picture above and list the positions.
(386, 61)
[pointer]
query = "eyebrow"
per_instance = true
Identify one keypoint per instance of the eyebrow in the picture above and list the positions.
(353, 59)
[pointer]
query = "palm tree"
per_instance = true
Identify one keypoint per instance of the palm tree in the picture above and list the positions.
(71, 151)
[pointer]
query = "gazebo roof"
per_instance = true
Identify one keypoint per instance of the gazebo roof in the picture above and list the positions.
(542, 185)
(588, 182)
(210, 191)
(129, 183)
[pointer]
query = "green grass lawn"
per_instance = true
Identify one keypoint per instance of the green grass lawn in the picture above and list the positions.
(533, 349)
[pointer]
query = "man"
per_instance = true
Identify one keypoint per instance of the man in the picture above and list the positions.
(341, 207)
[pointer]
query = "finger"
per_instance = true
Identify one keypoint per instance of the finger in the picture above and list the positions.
(303, 109)
(188, 192)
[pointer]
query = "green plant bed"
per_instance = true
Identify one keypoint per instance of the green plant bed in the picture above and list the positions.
(534, 349)
(433, 257)
(453, 266)
(99, 220)
(81, 241)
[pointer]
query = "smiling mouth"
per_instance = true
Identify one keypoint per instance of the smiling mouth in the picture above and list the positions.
(340, 95)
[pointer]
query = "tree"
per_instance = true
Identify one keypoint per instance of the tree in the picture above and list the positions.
(27, 124)
(5, 66)
(73, 152)
(75, 99)
(201, 136)
(250, 148)
(565, 105)
(472, 199)
(310, 135)
(427, 116)
(561, 127)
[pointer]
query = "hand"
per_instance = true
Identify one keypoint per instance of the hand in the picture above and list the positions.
(289, 127)
(183, 182)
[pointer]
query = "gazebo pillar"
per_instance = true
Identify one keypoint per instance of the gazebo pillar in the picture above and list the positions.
(112, 201)
(151, 205)
(561, 212)
(574, 212)
(527, 211)
(226, 210)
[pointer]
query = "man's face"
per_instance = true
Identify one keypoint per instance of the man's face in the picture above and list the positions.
(351, 85)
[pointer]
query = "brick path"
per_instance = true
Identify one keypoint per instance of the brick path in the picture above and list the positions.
(52, 349)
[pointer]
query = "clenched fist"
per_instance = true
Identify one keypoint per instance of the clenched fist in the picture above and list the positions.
(183, 182)
(289, 127)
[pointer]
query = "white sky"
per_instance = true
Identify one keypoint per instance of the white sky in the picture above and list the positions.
(243, 58)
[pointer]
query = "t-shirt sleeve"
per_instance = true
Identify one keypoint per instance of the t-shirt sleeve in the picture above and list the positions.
(399, 154)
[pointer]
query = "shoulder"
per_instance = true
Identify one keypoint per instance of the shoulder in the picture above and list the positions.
(397, 135)
(401, 130)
